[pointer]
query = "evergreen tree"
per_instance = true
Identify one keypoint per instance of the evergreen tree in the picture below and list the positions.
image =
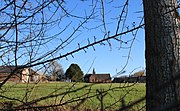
(74, 73)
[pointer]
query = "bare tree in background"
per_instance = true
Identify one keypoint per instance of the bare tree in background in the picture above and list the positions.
(55, 71)
(36, 33)
(162, 55)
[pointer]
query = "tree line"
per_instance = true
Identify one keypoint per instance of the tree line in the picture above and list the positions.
(72, 74)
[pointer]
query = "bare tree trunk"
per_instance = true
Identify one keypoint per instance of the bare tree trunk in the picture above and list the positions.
(162, 55)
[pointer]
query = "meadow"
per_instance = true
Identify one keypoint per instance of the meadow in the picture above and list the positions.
(78, 95)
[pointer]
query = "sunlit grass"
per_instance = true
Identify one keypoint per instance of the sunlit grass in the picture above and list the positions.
(68, 93)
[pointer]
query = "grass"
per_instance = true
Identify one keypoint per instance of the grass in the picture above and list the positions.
(84, 95)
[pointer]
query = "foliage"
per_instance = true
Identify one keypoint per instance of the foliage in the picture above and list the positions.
(54, 71)
(74, 73)
(139, 73)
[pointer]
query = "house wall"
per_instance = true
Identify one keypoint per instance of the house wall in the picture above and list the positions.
(2, 76)
(15, 77)
(92, 79)
(27, 77)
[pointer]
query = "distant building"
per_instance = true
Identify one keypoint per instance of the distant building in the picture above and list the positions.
(139, 77)
(97, 78)
(18, 74)
(120, 79)
(29, 75)
(5, 71)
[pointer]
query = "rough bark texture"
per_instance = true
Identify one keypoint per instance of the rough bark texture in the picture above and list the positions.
(162, 55)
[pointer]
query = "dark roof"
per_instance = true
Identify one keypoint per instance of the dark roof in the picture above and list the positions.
(9, 69)
(87, 75)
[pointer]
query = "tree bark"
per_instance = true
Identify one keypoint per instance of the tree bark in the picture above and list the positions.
(162, 55)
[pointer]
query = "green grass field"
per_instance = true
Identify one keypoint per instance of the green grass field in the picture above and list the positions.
(83, 95)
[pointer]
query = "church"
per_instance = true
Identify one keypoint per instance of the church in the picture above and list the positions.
(97, 78)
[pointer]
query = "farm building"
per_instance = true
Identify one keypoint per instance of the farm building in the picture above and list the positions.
(18, 74)
(97, 78)
(139, 77)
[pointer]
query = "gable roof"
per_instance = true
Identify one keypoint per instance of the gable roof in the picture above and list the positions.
(9, 69)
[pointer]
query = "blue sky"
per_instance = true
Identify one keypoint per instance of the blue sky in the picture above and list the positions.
(105, 59)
